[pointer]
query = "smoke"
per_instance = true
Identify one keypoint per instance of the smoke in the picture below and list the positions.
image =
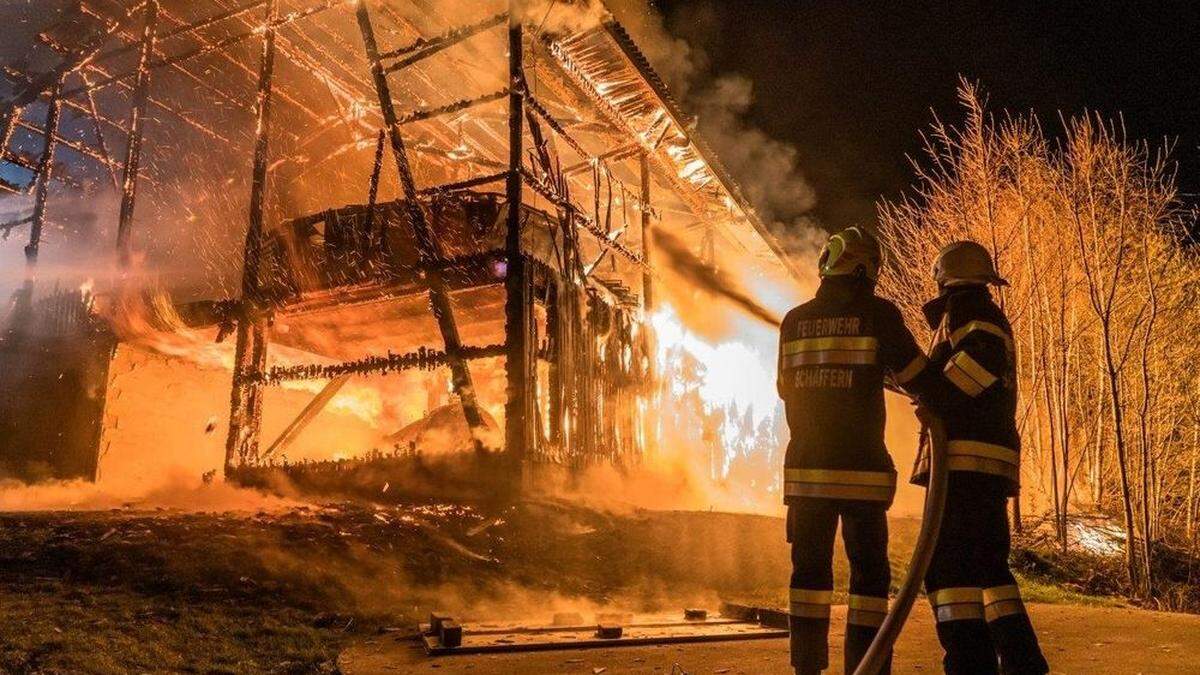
(675, 478)
(678, 62)
(767, 169)
(175, 489)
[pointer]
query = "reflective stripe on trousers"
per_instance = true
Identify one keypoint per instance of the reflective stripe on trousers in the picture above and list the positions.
(866, 610)
(810, 603)
(874, 486)
(957, 604)
(1002, 601)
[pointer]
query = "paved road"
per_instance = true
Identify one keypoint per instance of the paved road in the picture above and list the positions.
(1076, 639)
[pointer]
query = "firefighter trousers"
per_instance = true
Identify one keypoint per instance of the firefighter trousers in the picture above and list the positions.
(981, 621)
(812, 527)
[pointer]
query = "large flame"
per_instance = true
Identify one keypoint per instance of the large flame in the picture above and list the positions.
(726, 387)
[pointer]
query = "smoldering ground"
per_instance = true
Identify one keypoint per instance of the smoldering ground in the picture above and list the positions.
(389, 565)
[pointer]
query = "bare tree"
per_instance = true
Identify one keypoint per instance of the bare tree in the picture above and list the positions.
(1088, 231)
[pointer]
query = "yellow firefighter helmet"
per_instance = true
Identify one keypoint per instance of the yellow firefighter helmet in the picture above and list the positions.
(850, 252)
(965, 263)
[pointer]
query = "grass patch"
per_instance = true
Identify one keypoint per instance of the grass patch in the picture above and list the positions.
(1036, 590)
(53, 627)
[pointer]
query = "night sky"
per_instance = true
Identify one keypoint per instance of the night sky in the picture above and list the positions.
(851, 84)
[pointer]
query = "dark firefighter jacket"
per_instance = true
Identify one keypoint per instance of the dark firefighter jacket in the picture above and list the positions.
(834, 354)
(973, 348)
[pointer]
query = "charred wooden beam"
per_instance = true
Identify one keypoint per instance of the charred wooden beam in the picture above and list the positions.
(98, 129)
(439, 298)
(11, 225)
(245, 419)
(185, 29)
(258, 186)
(41, 190)
(467, 184)
(424, 48)
(373, 191)
(647, 236)
(604, 238)
(11, 115)
(541, 111)
(133, 148)
(421, 359)
(210, 47)
(519, 327)
(250, 356)
(554, 330)
(649, 341)
(457, 106)
(306, 416)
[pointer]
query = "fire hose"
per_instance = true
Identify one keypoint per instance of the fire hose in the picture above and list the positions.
(931, 522)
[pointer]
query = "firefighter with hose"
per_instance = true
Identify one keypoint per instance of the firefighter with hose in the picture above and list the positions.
(981, 621)
(836, 352)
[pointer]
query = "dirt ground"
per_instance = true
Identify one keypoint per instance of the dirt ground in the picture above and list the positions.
(284, 591)
(289, 589)
(1076, 640)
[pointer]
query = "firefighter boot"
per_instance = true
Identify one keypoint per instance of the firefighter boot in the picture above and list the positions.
(812, 526)
(864, 527)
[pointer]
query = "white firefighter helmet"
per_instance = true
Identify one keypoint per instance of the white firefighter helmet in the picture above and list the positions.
(851, 252)
(965, 263)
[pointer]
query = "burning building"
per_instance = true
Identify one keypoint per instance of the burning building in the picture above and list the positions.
(350, 189)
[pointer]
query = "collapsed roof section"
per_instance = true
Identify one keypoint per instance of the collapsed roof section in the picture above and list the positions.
(591, 85)
(225, 125)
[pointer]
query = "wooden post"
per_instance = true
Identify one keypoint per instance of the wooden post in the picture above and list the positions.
(555, 331)
(651, 389)
(439, 297)
(41, 188)
(647, 236)
(133, 146)
(245, 414)
(245, 405)
(11, 115)
(519, 327)
(376, 242)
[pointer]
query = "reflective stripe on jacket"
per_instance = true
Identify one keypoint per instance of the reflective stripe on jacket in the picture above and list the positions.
(973, 348)
(835, 353)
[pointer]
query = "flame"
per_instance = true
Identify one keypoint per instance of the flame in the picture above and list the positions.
(734, 379)
(153, 325)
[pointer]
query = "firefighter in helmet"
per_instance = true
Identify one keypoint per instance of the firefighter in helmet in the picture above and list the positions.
(835, 353)
(981, 621)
